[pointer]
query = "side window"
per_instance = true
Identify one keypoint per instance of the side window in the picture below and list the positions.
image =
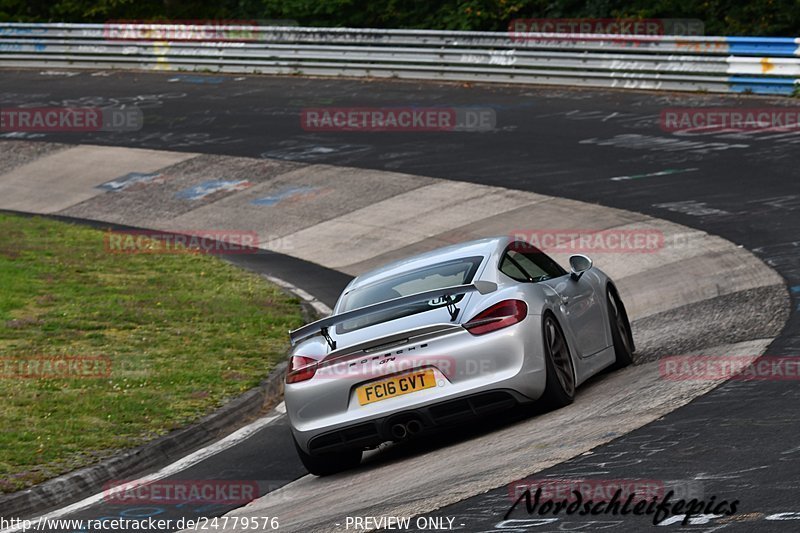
(525, 263)
(543, 263)
(511, 269)
(532, 269)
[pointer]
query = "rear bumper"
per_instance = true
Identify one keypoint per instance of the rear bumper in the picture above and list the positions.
(468, 370)
(372, 433)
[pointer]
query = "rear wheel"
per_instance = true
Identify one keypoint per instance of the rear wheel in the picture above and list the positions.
(329, 463)
(560, 386)
(620, 330)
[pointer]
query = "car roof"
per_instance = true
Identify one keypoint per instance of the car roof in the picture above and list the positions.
(481, 247)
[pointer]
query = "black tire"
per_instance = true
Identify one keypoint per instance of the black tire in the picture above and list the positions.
(621, 332)
(329, 463)
(559, 389)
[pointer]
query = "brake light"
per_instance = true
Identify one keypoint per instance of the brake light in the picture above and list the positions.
(499, 316)
(300, 369)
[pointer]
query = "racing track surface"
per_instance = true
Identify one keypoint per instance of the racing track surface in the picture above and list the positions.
(741, 440)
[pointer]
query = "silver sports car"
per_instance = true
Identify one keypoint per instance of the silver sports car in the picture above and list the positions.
(457, 332)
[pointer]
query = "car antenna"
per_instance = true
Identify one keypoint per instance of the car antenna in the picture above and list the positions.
(331, 342)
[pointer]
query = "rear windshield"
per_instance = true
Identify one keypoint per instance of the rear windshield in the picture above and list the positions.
(457, 272)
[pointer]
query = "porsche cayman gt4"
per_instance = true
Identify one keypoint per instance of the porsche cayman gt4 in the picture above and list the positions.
(454, 333)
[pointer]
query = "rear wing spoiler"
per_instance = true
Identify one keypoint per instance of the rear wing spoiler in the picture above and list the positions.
(320, 327)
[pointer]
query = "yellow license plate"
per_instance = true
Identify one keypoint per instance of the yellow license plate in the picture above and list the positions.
(375, 392)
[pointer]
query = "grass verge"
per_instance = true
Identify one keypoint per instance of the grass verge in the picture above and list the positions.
(182, 333)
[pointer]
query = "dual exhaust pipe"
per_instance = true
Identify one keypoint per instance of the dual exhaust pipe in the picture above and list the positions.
(401, 431)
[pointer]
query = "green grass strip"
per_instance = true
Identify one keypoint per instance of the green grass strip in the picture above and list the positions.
(184, 333)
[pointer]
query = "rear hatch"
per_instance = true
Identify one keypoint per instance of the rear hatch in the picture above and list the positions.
(385, 326)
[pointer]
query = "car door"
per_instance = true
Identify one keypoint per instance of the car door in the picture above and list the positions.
(581, 303)
(583, 308)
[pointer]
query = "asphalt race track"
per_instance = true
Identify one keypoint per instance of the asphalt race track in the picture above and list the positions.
(738, 442)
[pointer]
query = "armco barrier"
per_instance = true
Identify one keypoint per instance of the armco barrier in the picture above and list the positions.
(713, 64)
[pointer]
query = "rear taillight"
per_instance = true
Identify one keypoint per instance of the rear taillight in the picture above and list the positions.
(498, 316)
(300, 369)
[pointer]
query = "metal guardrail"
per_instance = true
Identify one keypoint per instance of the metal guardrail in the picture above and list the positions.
(713, 64)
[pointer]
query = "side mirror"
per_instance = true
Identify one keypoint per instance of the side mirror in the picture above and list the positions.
(579, 264)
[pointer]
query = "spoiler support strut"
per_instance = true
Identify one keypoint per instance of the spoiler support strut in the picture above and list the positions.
(324, 332)
(451, 307)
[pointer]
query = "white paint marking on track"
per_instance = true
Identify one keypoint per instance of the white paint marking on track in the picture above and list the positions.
(320, 307)
(667, 172)
(182, 464)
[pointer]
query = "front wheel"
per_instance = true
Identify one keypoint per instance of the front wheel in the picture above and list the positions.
(559, 389)
(620, 330)
(329, 463)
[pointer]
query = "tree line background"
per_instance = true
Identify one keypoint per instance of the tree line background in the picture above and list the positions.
(721, 17)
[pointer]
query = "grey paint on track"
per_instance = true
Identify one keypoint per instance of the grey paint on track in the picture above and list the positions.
(741, 440)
